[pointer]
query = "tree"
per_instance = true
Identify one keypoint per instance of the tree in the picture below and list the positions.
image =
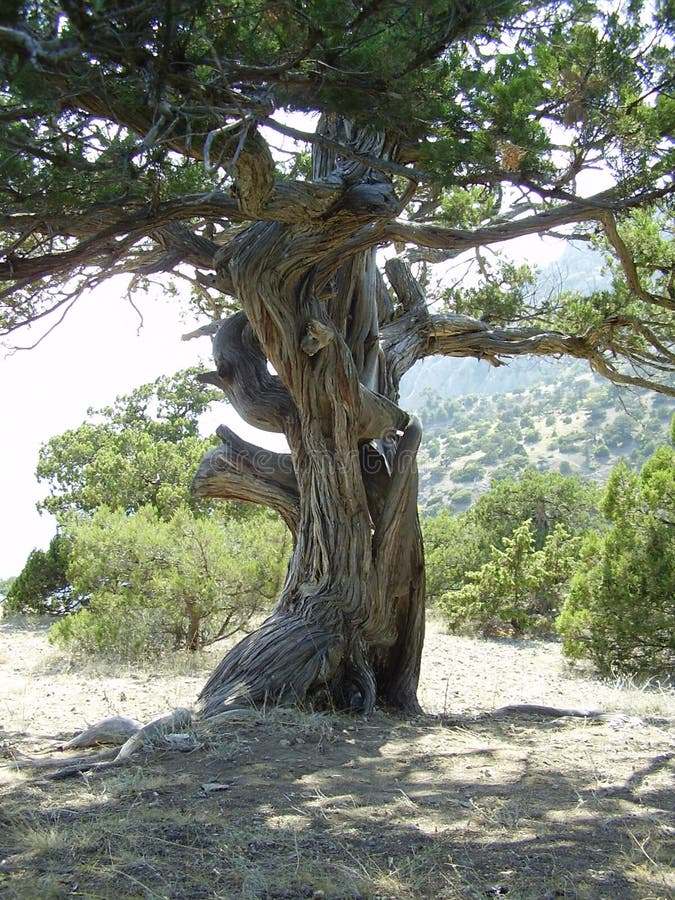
(132, 546)
(545, 499)
(536, 504)
(137, 452)
(136, 139)
(518, 589)
(42, 585)
(620, 611)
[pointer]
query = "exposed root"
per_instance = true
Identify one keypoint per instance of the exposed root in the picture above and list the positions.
(179, 720)
(535, 709)
(167, 731)
(77, 763)
(110, 731)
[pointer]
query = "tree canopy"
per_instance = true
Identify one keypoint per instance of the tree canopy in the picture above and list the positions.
(132, 141)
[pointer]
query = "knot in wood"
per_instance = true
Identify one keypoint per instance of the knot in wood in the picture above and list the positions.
(318, 335)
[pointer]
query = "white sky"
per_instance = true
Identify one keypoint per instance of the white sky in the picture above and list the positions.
(94, 355)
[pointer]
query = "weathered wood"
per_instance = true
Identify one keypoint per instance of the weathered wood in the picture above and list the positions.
(115, 730)
(259, 397)
(238, 470)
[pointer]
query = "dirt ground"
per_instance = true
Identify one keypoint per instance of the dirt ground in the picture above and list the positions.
(290, 805)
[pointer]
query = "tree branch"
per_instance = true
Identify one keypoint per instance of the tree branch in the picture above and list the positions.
(582, 210)
(407, 340)
(238, 470)
(628, 265)
(259, 397)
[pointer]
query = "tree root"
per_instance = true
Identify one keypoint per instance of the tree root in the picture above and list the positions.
(552, 712)
(168, 731)
(109, 731)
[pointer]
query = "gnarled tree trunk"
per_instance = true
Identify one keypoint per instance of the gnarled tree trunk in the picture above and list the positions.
(348, 627)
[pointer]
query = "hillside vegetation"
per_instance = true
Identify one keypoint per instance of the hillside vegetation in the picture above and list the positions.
(566, 420)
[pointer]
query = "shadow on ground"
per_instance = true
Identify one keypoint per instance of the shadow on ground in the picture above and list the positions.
(297, 805)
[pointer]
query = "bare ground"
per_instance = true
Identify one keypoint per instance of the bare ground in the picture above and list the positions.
(291, 805)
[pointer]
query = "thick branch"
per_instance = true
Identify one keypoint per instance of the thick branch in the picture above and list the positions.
(241, 372)
(238, 470)
(582, 210)
(406, 340)
(410, 294)
(628, 265)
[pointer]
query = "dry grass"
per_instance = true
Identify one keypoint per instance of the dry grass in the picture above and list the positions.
(291, 805)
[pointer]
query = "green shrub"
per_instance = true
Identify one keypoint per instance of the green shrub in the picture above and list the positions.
(518, 590)
(471, 471)
(450, 545)
(460, 499)
(42, 587)
(156, 585)
(620, 611)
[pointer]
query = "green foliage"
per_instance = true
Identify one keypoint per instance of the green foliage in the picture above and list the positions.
(452, 546)
(158, 584)
(111, 110)
(42, 586)
(505, 294)
(518, 589)
(620, 611)
(154, 572)
(503, 565)
(456, 545)
(546, 499)
(574, 69)
(141, 450)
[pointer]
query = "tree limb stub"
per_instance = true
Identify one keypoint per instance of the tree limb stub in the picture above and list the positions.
(259, 397)
(238, 470)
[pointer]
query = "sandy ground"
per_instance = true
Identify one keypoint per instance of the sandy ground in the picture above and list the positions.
(45, 695)
(335, 806)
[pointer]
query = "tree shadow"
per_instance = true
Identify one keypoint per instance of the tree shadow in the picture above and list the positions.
(294, 805)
